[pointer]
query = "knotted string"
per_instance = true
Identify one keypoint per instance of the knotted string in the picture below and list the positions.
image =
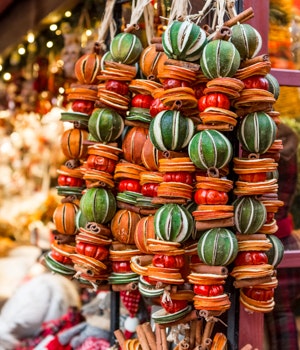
(149, 22)
(179, 9)
(137, 9)
(108, 23)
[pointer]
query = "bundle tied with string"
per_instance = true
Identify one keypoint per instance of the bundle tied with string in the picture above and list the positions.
(108, 24)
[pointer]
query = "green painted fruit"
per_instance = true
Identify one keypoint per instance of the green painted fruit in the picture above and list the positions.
(173, 223)
(98, 205)
(171, 131)
(105, 125)
(80, 220)
(249, 214)
(64, 218)
(210, 149)
(107, 57)
(257, 132)
(246, 39)
(126, 48)
(219, 59)
(217, 247)
(274, 86)
(184, 41)
(275, 254)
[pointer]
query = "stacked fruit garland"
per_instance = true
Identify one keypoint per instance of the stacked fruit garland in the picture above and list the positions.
(256, 187)
(173, 227)
(230, 79)
(161, 200)
(82, 96)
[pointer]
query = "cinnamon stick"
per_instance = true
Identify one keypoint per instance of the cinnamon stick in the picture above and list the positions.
(254, 236)
(208, 30)
(142, 337)
(207, 333)
(149, 335)
(221, 127)
(158, 337)
(136, 123)
(145, 260)
(120, 337)
(199, 330)
(161, 200)
(240, 18)
(121, 287)
(123, 205)
(192, 333)
(120, 66)
(174, 154)
(254, 60)
(224, 33)
(176, 105)
(189, 65)
(216, 270)
(131, 28)
(207, 343)
(183, 345)
(159, 48)
(147, 212)
(203, 225)
(251, 281)
(164, 343)
(122, 246)
(156, 40)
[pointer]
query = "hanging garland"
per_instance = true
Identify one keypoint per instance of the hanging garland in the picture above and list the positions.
(156, 208)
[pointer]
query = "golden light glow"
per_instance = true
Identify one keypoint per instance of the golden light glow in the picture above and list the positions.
(49, 44)
(68, 14)
(6, 76)
(53, 27)
(21, 50)
(30, 37)
(88, 32)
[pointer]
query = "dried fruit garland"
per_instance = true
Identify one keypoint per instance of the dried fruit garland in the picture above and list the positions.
(156, 157)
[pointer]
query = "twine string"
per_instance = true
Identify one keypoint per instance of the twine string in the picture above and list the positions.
(107, 24)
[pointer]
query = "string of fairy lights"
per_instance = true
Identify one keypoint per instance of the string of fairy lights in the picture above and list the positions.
(50, 40)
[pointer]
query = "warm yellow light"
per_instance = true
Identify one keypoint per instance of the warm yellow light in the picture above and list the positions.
(21, 50)
(49, 44)
(88, 32)
(53, 27)
(1, 67)
(6, 76)
(60, 63)
(58, 32)
(30, 37)
(61, 90)
(68, 14)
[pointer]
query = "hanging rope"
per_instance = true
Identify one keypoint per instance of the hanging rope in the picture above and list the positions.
(108, 23)
(137, 9)
(179, 9)
(149, 22)
(219, 7)
(220, 13)
(231, 8)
